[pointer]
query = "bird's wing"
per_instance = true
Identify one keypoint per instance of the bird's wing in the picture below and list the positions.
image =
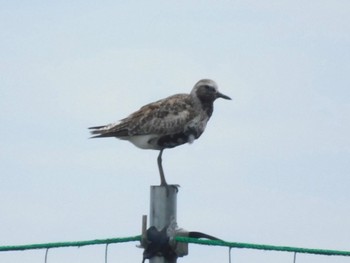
(165, 116)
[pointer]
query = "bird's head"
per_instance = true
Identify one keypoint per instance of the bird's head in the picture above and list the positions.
(206, 90)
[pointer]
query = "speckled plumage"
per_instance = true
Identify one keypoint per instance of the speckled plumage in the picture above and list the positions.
(169, 122)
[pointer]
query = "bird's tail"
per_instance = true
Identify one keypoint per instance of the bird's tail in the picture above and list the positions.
(99, 131)
(110, 130)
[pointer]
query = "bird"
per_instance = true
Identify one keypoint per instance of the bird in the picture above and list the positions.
(166, 123)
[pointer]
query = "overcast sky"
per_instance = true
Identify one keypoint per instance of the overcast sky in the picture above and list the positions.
(272, 167)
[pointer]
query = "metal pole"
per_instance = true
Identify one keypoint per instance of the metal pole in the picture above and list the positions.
(162, 211)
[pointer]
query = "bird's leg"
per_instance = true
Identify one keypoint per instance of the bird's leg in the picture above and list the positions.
(160, 167)
(162, 177)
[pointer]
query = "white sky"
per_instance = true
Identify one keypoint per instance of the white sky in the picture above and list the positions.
(272, 167)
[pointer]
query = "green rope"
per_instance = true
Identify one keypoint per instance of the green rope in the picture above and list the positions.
(179, 239)
(70, 244)
(262, 247)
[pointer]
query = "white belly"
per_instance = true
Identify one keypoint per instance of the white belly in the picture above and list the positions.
(144, 141)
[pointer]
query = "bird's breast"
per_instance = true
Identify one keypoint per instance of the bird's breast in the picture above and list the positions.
(173, 140)
(191, 131)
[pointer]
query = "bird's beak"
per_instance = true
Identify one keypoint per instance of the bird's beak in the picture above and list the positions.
(220, 95)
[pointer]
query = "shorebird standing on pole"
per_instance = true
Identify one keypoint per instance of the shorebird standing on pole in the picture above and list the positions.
(166, 123)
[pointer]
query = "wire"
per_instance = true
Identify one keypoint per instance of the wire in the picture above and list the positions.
(70, 244)
(222, 243)
(47, 251)
(262, 247)
(106, 253)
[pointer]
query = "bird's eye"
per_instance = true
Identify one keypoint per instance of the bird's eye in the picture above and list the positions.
(209, 88)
